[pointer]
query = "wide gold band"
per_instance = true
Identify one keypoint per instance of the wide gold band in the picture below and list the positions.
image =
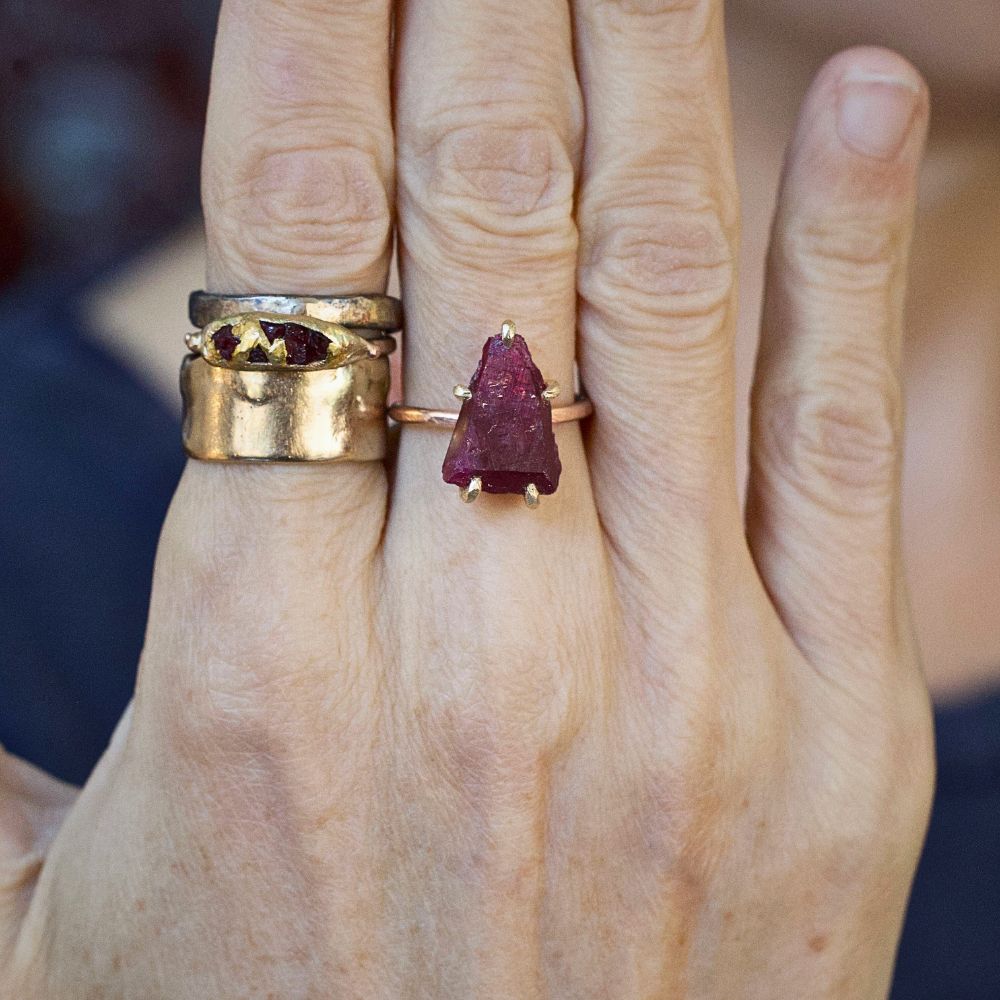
(380, 313)
(325, 415)
(579, 409)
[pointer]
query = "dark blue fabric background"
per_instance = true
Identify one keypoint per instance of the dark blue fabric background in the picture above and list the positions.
(89, 462)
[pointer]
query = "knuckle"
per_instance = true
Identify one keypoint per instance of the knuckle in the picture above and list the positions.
(471, 179)
(684, 20)
(491, 743)
(840, 436)
(887, 809)
(851, 256)
(668, 269)
(288, 217)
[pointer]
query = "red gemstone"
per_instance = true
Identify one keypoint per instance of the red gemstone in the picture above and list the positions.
(225, 342)
(504, 431)
(304, 346)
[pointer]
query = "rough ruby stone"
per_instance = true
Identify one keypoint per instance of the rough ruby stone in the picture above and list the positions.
(304, 346)
(257, 356)
(225, 342)
(504, 431)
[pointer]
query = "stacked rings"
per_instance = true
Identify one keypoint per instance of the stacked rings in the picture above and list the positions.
(288, 378)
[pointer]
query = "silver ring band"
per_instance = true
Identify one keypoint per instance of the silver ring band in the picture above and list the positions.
(380, 313)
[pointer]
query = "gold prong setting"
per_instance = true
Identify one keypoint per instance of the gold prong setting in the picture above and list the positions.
(503, 441)
(470, 493)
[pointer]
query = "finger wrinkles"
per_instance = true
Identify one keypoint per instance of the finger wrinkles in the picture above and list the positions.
(642, 265)
(848, 254)
(298, 158)
(681, 22)
(508, 178)
(298, 220)
(835, 435)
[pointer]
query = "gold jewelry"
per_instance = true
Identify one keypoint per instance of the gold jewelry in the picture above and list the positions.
(502, 440)
(262, 341)
(381, 313)
(579, 409)
(285, 414)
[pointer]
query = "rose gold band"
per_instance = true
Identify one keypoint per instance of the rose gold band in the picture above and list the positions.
(579, 409)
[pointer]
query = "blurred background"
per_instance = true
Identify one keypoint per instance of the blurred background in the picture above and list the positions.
(101, 109)
(101, 114)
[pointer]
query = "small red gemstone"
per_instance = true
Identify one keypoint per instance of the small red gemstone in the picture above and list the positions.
(504, 431)
(304, 346)
(225, 342)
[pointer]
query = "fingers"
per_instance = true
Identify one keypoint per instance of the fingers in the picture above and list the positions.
(488, 136)
(658, 220)
(260, 561)
(298, 164)
(827, 414)
(489, 129)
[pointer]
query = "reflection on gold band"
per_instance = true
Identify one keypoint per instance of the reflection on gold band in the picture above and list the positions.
(285, 415)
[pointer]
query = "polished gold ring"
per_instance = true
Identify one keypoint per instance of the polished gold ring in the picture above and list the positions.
(370, 312)
(285, 414)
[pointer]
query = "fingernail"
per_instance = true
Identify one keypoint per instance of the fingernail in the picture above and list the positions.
(876, 113)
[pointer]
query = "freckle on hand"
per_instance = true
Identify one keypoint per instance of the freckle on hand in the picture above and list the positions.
(817, 943)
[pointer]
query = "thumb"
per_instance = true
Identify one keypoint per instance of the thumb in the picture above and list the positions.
(33, 805)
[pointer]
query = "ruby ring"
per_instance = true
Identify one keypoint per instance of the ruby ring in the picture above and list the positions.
(503, 440)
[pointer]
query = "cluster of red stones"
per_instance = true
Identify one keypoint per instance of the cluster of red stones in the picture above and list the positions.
(303, 346)
(504, 431)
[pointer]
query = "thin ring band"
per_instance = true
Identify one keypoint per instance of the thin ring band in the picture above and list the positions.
(579, 409)
(361, 312)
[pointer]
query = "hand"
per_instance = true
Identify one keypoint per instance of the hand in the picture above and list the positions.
(384, 744)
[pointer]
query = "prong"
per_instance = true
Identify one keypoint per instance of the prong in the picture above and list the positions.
(507, 332)
(277, 352)
(472, 491)
(250, 337)
(551, 390)
(193, 341)
(531, 495)
(463, 392)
